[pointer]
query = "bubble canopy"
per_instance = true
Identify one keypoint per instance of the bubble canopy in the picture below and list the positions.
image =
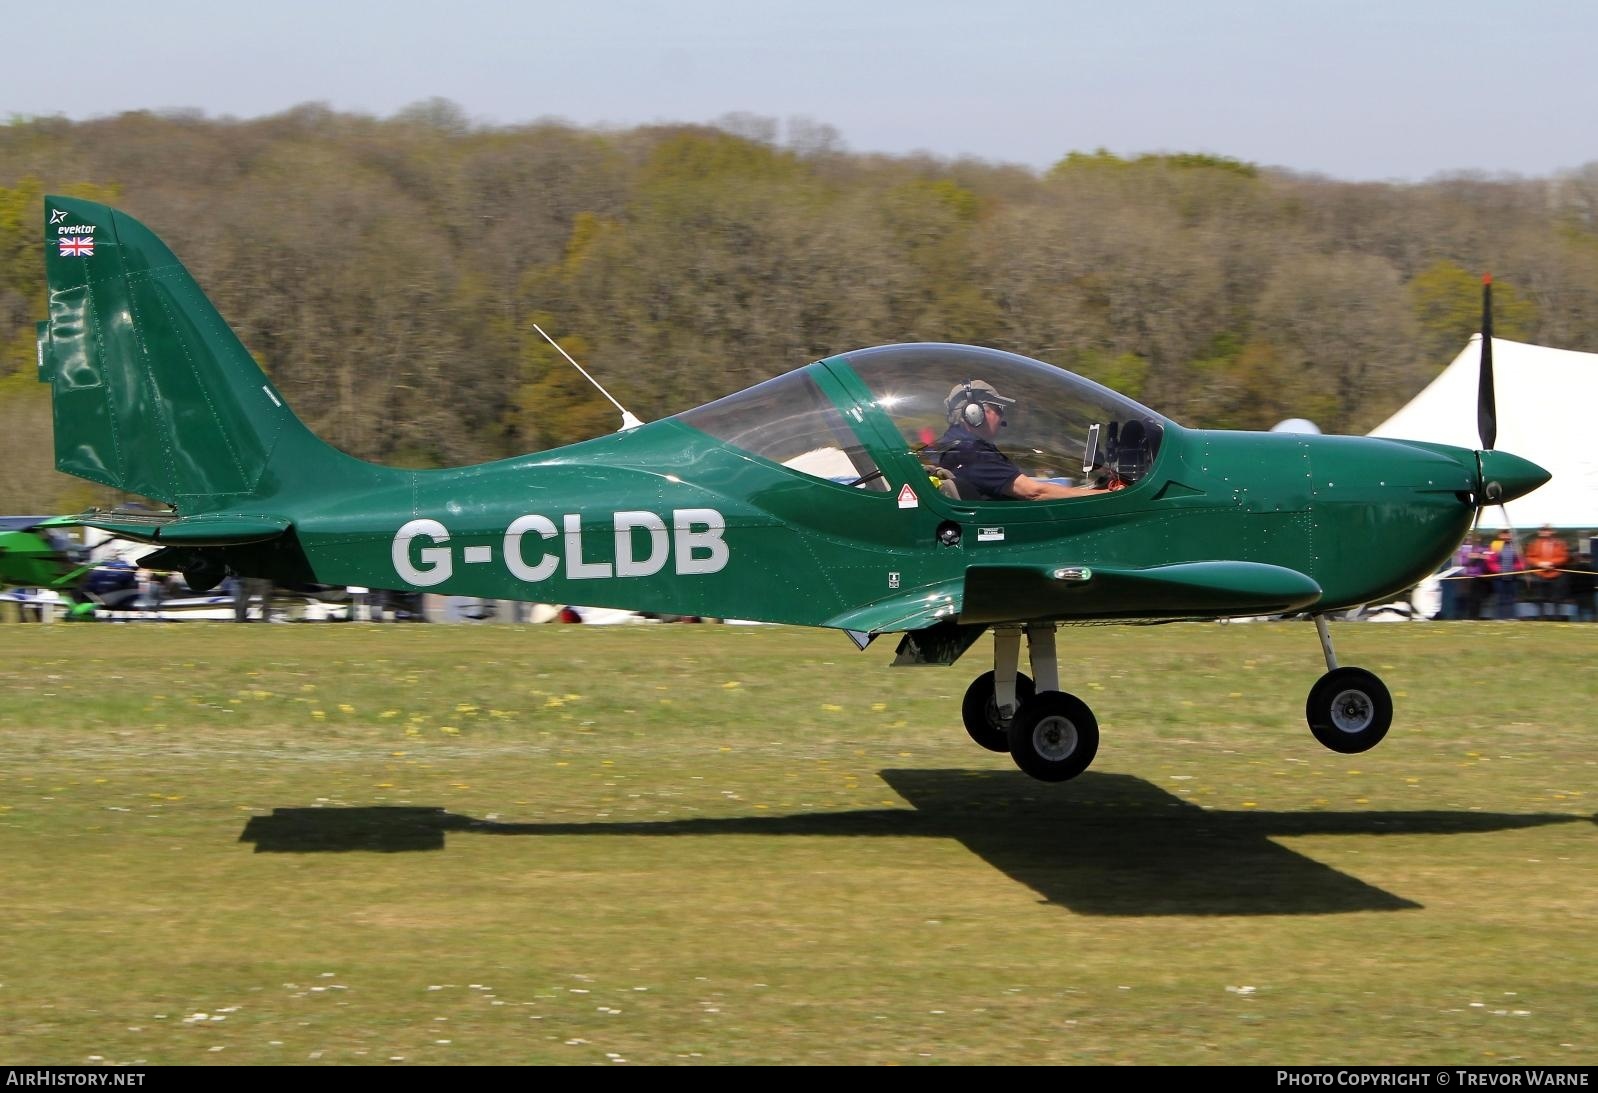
(1047, 424)
(1050, 414)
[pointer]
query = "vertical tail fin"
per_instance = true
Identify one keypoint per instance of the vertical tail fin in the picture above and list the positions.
(151, 392)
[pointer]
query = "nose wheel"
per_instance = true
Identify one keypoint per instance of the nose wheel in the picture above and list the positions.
(1349, 710)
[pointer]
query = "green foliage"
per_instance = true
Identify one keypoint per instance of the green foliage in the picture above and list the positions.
(713, 156)
(1125, 372)
(1200, 161)
(1102, 159)
(1447, 303)
(386, 271)
(554, 404)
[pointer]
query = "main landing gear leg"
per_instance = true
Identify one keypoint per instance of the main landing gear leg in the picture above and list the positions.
(1053, 736)
(1349, 710)
(993, 697)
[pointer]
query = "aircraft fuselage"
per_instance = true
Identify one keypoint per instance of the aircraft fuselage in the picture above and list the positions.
(607, 523)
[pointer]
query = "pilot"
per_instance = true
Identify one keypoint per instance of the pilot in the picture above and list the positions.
(982, 472)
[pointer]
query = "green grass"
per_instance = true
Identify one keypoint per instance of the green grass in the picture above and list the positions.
(355, 844)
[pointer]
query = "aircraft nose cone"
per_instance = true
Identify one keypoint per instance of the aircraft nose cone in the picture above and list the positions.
(1505, 477)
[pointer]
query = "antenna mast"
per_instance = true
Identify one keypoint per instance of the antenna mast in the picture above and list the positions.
(628, 421)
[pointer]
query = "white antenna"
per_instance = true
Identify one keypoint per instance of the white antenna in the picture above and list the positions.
(628, 421)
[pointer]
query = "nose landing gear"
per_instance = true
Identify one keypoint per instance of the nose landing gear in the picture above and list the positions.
(1349, 710)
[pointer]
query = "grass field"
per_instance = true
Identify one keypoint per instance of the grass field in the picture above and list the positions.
(425, 844)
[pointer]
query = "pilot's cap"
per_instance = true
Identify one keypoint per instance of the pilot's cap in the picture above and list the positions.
(978, 391)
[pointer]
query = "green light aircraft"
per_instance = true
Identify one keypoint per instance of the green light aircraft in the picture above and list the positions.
(33, 556)
(815, 498)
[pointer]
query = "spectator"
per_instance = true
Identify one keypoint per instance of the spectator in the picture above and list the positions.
(1547, 555)
(1469, 585)
(1583, 586)
(1507, 563)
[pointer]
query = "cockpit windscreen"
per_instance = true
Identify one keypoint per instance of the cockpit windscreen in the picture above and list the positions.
(1048, 411)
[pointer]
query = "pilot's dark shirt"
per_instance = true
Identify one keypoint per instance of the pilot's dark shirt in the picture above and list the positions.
(980, 469)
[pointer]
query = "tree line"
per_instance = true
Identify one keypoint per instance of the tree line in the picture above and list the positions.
(388, 272)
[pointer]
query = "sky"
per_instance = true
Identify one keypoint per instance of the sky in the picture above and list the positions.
(1352, 89)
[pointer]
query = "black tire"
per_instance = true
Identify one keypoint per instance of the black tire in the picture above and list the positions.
(981, 714)
(1349, 710)
(1054, 736)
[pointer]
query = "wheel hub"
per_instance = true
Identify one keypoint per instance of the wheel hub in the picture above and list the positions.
(1352, 711)
(1054, 738)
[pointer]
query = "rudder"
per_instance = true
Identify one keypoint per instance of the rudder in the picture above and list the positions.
(151, 391)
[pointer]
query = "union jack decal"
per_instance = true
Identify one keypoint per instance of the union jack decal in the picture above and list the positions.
(77, 246)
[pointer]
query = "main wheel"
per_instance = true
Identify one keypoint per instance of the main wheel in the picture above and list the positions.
(980, 710)
(1349, 710)
(1054, 736)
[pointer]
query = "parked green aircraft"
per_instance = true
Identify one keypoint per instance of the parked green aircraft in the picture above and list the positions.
(28, 558)
(815, 498)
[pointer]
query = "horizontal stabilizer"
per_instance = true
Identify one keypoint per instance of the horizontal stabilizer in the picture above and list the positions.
(168, 529)
(1015, 593)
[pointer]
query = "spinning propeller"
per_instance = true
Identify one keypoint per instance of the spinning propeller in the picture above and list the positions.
(1486, 403)
(1500, 477)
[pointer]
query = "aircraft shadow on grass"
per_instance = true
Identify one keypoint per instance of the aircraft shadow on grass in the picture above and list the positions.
(1115, 845)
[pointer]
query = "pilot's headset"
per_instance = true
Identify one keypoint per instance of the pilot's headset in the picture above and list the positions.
(971, 413)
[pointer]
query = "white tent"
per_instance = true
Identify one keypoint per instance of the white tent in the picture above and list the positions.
(1547, 413)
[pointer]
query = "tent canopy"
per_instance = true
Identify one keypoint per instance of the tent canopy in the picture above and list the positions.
(1547, 413)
